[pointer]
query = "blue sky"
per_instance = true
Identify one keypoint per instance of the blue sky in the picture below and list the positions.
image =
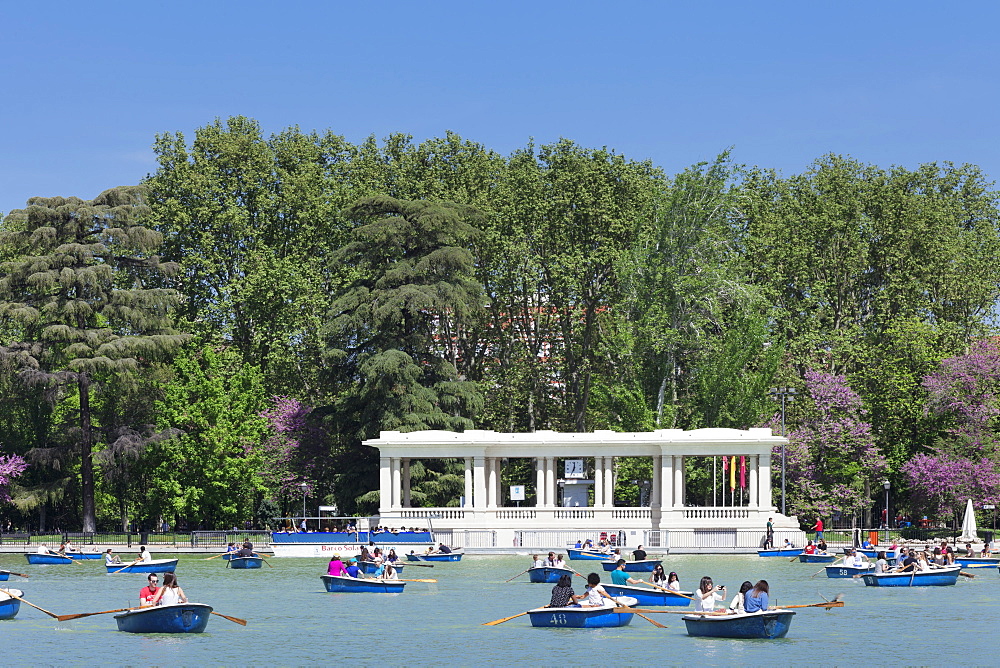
(87, 86)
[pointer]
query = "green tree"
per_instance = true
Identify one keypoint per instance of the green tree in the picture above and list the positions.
(77, 298)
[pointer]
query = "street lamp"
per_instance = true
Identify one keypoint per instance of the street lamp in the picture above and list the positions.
(786, 394)
(885, 484)
(304, 487)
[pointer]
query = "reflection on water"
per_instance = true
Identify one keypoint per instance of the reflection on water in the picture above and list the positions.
(293, 621)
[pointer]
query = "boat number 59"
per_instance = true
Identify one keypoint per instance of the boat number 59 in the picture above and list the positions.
(558, 620)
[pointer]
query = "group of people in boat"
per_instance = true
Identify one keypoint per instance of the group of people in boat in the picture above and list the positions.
(246, 550)
(384, 566)
(553, 561)
(110, 558)
(169, 594)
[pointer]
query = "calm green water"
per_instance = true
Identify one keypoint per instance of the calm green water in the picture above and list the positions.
(293, 621)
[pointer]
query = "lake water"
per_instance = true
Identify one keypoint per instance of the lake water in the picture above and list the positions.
(294, 621)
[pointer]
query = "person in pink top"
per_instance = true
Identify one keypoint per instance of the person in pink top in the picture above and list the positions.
(337, 566)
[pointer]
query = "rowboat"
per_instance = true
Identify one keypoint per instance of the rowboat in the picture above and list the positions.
(154, 566)
(4, 576)
(369, 567)
(842, 571)
(180, 618)
(47, 559)
(582, 618)
(451, 556)
(578, 554)
(8, 604)
(643, 566)
(782, 552)
(649, 596)
(817, 558)
(343, 585)
(246, 562)
(548, 573)
(977, 562)
(941, 577)
(763, 625)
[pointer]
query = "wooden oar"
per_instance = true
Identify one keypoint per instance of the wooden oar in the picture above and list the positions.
(266, 562)
(417, 580)
(824, 568)
(413, 563)
(676, 593)
(625, 608)
(507, 619)
(237, 620)
(13, 595)
(835, 603)
(20, 575)
(519, 574)
(966, 575)
(66, 618)
(126, 566)
(214, 556)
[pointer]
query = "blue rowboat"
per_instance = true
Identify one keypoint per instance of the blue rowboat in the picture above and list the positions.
(369, 567)
(180, 618)
(789, 552)
(648, 596)
(4, 576)
(577, 554)
(246, 562)
(817, 558)
(582, 618)
(548, 573)
(941, 577)
(644, 566)
(47, 559)
(154, 566)
(451, 556)
(842, 571)
(343, 585)
(978, 562)
(763, 625)
(8, 604)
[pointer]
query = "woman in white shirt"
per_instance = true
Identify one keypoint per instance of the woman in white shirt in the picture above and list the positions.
(737, 604)
(707, 595)
(170, 593)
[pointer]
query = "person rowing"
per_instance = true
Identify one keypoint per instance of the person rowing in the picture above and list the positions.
(909, 564)
(854, 559)
(595, 595)
(620, 577)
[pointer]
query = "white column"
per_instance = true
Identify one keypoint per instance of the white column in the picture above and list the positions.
(397, 484)
(384, 484)
(609, 482)
(667, 480)
(406, 482)
(764, 482)
(550, 482)
(752, 465)
(479, 483)
(539, 482)
(598, 482)
(654, 491)
(491, 482)
(468, 482)
(678, 482)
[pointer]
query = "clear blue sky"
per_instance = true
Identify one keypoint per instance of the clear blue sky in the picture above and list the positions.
(86, 86)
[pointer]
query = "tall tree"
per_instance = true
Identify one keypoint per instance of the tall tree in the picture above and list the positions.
(76, 293)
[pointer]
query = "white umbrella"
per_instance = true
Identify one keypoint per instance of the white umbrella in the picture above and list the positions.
(969, 524)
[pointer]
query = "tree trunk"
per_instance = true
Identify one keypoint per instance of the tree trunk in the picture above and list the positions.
(86, 462)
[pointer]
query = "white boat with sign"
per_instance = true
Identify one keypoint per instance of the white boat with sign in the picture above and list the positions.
(326, 536)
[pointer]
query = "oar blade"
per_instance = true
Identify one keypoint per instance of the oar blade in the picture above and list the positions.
(237, 620)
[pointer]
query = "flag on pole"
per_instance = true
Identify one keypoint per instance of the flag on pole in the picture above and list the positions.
(743, 472)
(732, 474)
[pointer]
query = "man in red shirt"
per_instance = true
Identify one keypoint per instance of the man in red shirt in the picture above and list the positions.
(818, 528)
(147, 593)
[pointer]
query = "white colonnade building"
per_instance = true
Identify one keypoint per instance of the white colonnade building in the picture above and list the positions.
(564, 509)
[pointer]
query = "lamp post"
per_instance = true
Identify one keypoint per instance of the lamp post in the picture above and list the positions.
(304, 487)
(785, 394)
(885, 484)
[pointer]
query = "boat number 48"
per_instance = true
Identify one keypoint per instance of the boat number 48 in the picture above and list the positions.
(558, 619)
